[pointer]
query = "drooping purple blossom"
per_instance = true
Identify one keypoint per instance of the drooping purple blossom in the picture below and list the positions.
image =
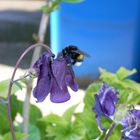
(54, 75)
(131, 125)
(105, 101)
(44, 74)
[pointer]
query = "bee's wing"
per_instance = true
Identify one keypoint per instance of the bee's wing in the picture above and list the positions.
(81, 52)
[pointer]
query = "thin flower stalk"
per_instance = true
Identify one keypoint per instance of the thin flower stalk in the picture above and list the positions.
(12, 81)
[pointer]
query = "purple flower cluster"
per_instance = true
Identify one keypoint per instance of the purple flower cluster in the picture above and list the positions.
(105, 105)
(131, 125)
(54, 75)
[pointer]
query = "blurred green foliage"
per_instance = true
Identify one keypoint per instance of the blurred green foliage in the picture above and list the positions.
(129, 90)
(71, 125)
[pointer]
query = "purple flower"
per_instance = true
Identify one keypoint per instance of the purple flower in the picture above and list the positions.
(54, 75)
(105, 101)
(131, 125)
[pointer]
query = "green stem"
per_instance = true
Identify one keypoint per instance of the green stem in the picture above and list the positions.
(37, 51)
(26, 108)
(25, 76)
(110, 131)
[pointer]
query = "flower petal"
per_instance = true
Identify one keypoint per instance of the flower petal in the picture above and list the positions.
(131, 125)
(42, 89)
(41, 61)
(59, 70)
(99, 123)
(97, 108)
(108, 96)
(108, 107)
(44, 81)
(58, 95)
(70, 81)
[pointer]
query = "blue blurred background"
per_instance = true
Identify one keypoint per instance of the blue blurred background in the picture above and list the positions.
(108, 30)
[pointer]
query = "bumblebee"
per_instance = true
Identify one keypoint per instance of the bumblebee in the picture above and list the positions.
(76, 55)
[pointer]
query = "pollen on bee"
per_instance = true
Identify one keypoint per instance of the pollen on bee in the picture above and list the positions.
(80, 57)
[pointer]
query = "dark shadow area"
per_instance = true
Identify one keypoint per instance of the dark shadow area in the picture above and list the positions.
(137, 48)
(16, 34)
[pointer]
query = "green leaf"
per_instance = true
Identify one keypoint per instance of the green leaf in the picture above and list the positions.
(3, 100)
(106, 123)
(129, 90)
(50, 8)
(115, 135)
(120, 113)
(90, 92)
(48, 121)
(128, 96)
(102, 135)
(18, 84)
(42, 127)
(61, 127)
(34, 133)
(55, 7)
(73, 1)
(107, 77)
(16, 107)
(1, 137)
(4, 125)
(35, 114)
(86, 121)
(19, 136)
(123, 73)
(132, 85)
(69, 113)
(4, 85)
(46, 8)
(51, 118)
(65, 132)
